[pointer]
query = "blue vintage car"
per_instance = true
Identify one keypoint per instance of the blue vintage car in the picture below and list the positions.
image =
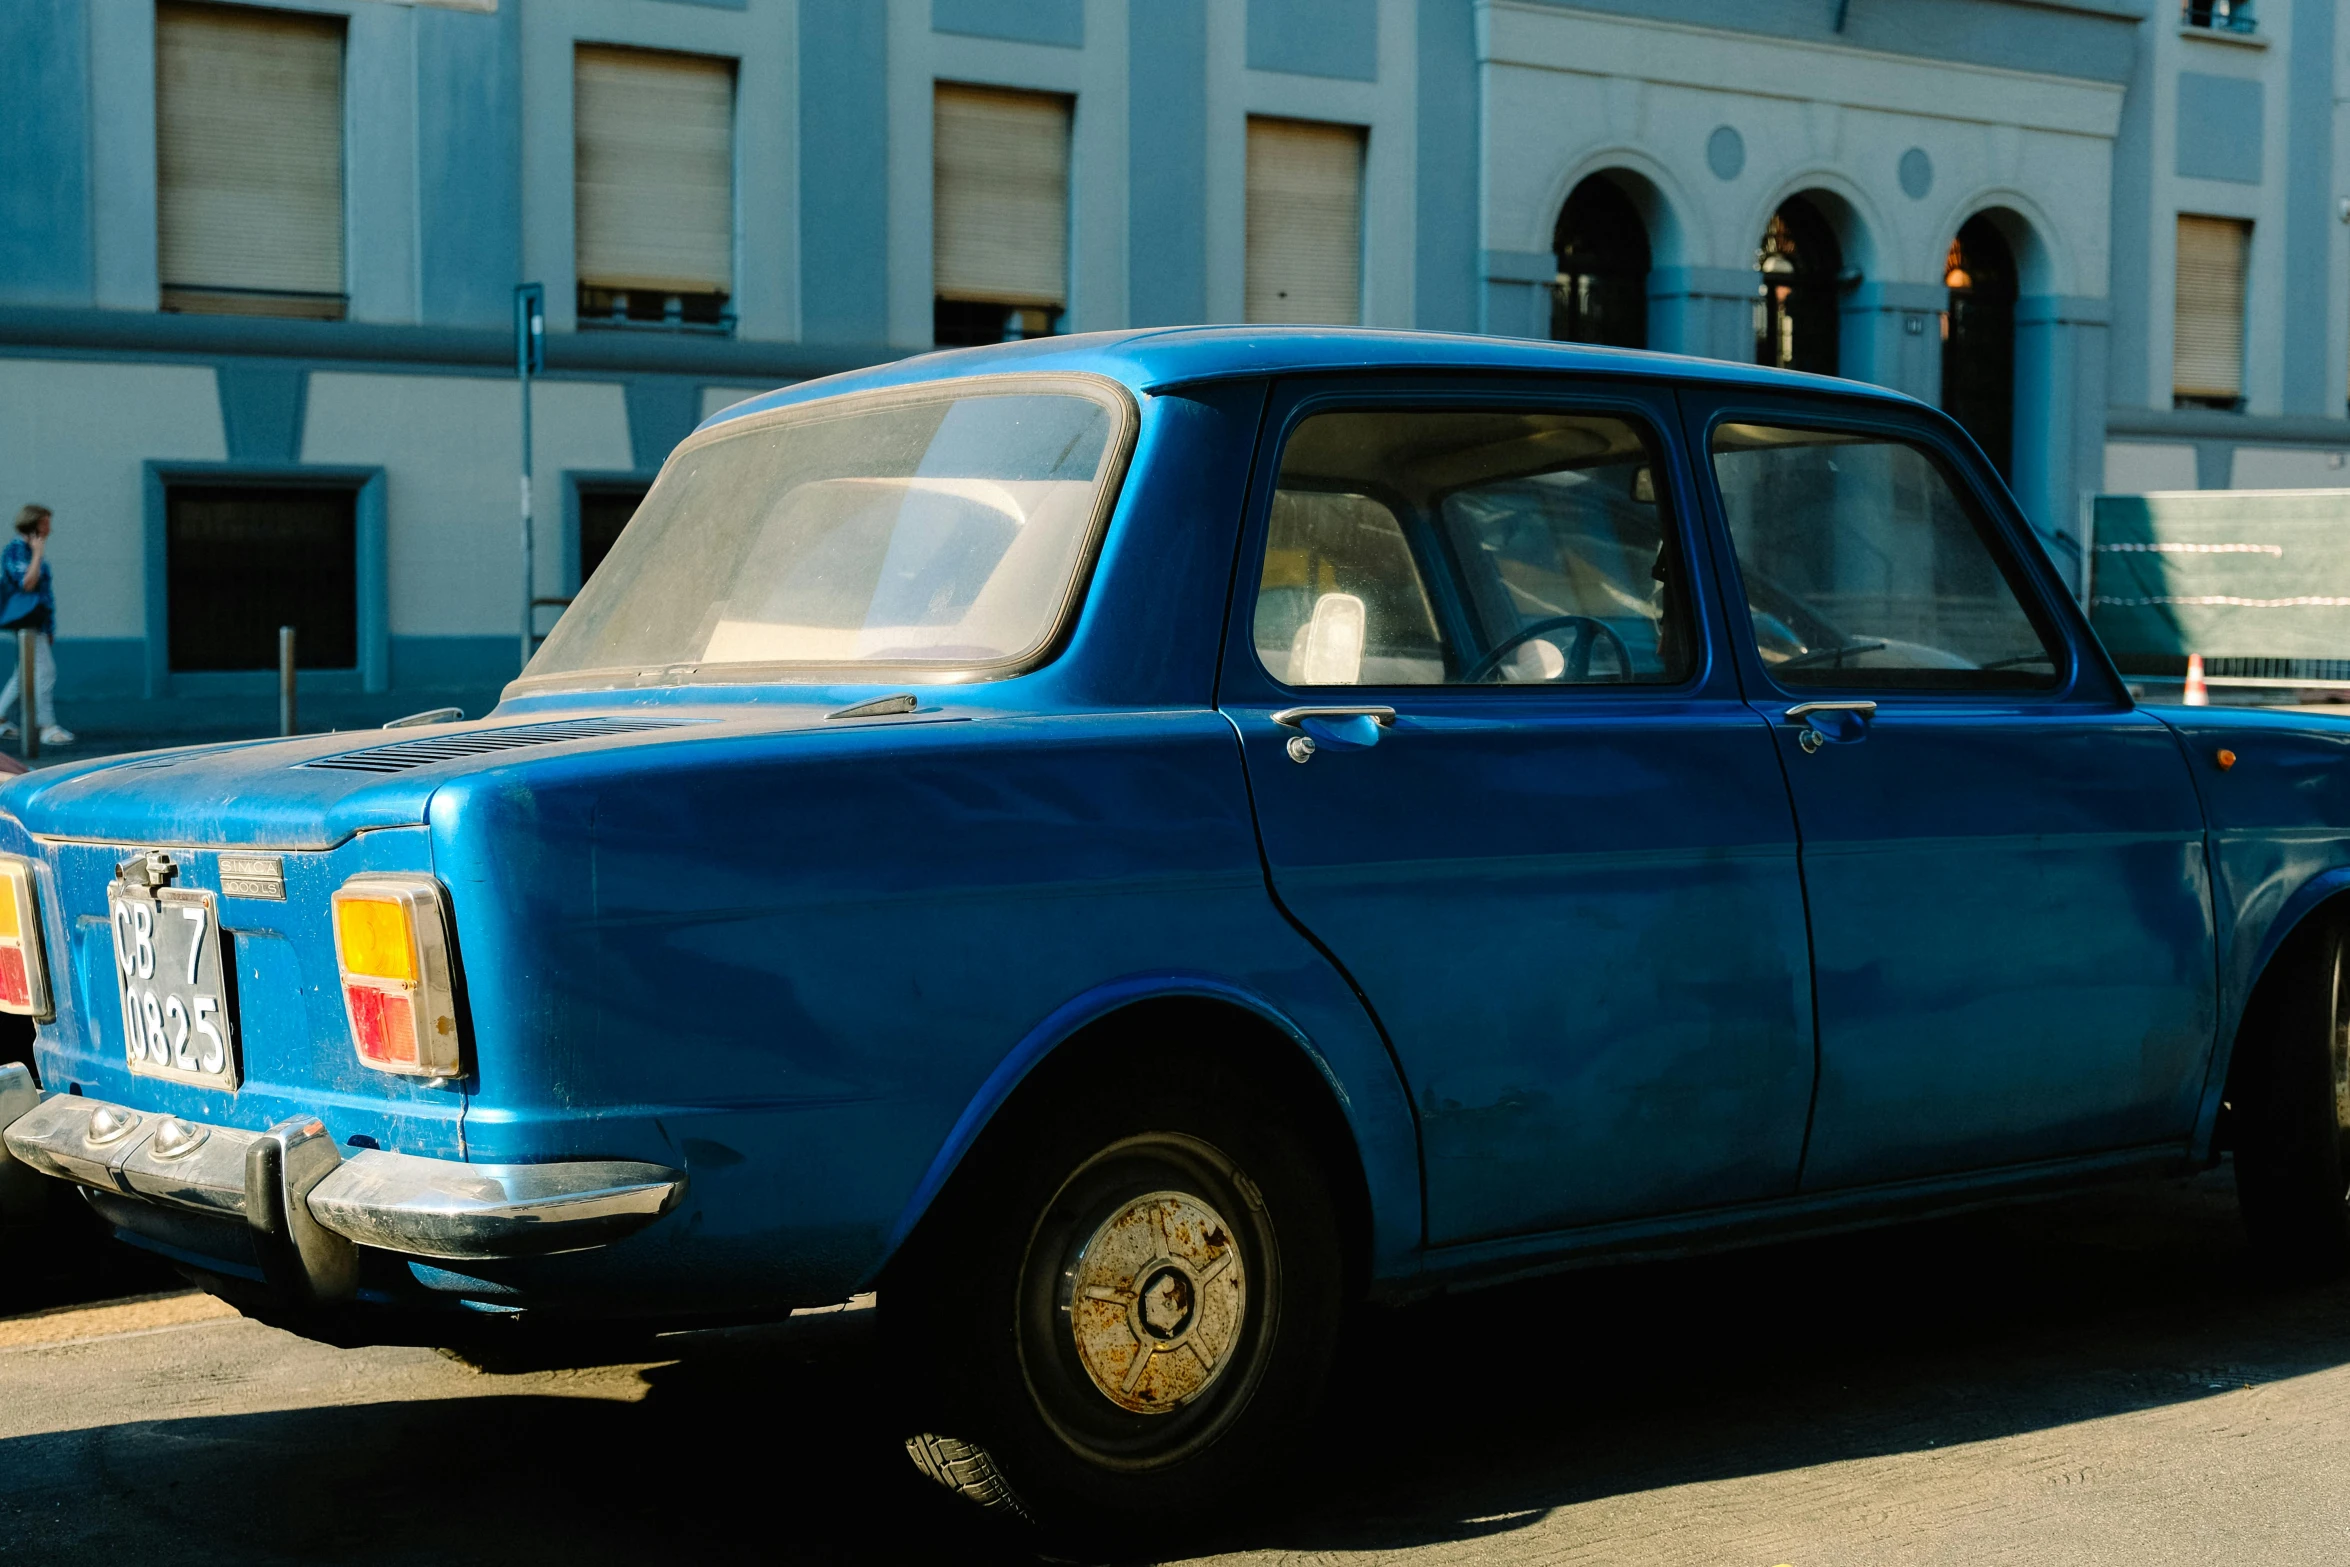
(1133, 844)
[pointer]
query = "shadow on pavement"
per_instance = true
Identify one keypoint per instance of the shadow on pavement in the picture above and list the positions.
(1470, 1417)
(61, 1254)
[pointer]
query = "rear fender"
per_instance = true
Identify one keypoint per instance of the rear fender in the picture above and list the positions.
(1350, 1061)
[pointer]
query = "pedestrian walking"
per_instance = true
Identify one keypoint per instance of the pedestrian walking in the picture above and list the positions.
(28, 602)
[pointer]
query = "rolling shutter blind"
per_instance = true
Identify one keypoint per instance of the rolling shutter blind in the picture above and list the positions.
(2208, 348)
(1000, 196)
(249, 151)
(653, 176)
(1305, 222)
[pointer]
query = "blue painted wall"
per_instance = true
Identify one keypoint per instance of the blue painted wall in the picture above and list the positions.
(2017, 34)
(261, 402)
(44, 152)
(1059, 22)
(1318, 37)
(1167, 163)
(662, 411)
(2219, 127)
(1446, 278)
(468, 152)
(2309, 218)
(844, 173)
(101, 681)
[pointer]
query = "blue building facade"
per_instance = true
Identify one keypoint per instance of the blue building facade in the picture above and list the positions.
(268, 377)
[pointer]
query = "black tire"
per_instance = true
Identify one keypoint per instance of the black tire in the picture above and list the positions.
(1123, 1314)
(2289, 1110)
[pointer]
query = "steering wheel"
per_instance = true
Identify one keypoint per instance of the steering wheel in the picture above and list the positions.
(1589, 631)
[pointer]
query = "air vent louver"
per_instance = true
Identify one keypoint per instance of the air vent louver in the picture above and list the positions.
(402, 755)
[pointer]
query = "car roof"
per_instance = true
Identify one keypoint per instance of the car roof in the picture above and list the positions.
(1164, 358)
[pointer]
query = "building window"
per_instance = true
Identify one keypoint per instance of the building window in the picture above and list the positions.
(2227, 16)
(1797, 304)
(1602, 291)
(653, 181)
(2207, 352)
(249, 161)
(604, 509)
(999, 204)
(1305, 222)
(242, 560)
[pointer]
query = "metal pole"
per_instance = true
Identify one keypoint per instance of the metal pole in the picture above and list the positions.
(530, 336)
(287, 722)
(529, 574)
(28, 668)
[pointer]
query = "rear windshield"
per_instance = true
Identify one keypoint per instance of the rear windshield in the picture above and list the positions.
(928, 534)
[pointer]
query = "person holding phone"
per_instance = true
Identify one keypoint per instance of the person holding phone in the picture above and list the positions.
(28, 601)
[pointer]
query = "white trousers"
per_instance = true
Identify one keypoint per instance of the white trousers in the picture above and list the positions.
(44, 687)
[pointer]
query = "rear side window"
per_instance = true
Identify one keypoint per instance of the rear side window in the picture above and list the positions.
(1865, 569)
(1424, 547)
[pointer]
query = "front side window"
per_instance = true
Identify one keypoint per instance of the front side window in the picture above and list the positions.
(1865, 570)
(931, 534)
(1409, 547)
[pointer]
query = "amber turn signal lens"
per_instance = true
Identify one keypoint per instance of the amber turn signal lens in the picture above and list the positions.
(374, 938)
(2226, 759)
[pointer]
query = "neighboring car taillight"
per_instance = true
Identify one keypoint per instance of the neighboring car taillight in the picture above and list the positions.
(24, 973)
(392, 946)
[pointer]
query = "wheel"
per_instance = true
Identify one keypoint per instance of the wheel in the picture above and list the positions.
(2289, 1107)
(1125, 1316)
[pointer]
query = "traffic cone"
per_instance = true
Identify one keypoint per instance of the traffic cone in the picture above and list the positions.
(2198, 694)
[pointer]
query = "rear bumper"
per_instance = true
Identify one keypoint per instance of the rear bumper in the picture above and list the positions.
(310, 1204)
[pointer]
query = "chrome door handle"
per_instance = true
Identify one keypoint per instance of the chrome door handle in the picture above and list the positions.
(1295, 717)
(1340, 728)
(1830, 723)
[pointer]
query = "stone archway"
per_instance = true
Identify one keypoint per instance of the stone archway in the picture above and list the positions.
(1602, 245)
(1800, 263)
(1978, 338)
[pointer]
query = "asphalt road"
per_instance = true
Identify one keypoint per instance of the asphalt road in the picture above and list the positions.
(2096, 1381)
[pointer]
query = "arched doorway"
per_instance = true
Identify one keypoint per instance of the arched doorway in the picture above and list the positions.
(1602, 291)
(1795, 315)
(1978, 339)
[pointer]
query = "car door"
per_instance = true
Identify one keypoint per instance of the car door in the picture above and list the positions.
(1503, 775)
(2010, 910)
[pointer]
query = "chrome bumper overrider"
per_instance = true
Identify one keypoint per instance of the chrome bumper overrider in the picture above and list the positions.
(313, 1201)
(20, 1189)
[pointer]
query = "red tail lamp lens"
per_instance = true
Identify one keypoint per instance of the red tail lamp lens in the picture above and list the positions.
(383, 1024)
(24, 976)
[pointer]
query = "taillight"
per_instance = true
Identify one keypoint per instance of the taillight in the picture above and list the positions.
(392, 946)
(24, 974)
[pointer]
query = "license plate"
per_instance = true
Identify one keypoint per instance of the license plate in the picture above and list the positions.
(170, 968)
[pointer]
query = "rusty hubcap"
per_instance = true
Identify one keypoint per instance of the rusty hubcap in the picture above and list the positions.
(1157, 1301)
